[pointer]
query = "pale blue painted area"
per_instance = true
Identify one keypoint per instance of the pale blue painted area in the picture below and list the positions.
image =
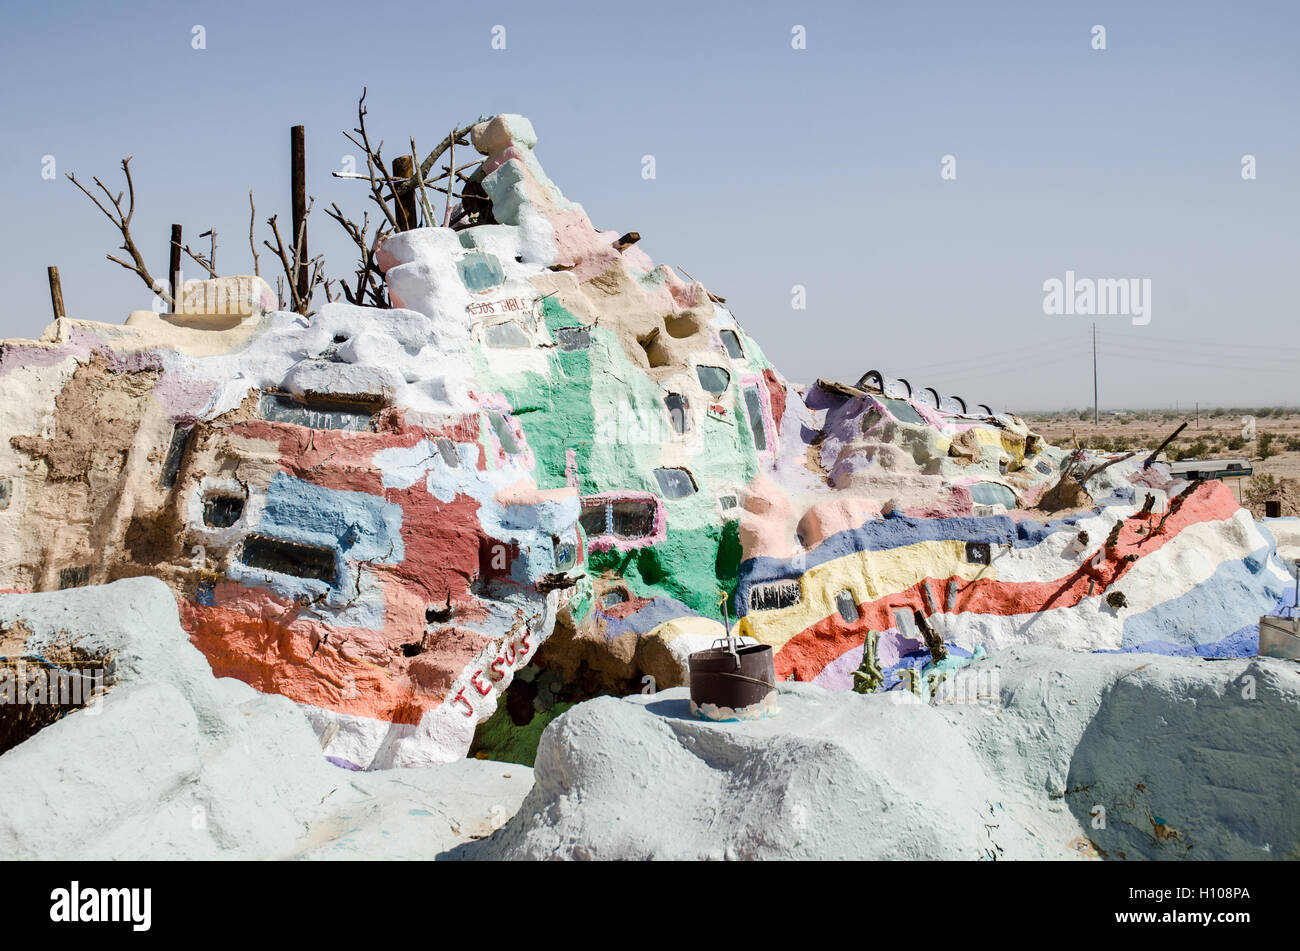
(1218, 617)
(358, 525)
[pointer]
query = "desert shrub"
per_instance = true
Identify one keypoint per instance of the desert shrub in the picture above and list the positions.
(1195, 451)
(1236, 442)
(1260, 486)
(1265, 445)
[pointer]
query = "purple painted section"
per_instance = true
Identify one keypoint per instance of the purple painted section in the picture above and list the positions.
(184, 398)
(890, 651)
(15, 357)
(132, 362)
(80, 343)
(838, 674)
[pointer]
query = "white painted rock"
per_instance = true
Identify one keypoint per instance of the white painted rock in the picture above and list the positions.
(174, 763)
(1188, 758)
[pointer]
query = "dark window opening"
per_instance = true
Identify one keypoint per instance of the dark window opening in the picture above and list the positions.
(775, 595)
(74, 577)
(573, 338)
(340, 338)
(6, 490)
(593, 519)
(754, 404)
(847, 605)
(289, 558)
(678, 412)
(222, 511)
(713, 379)
(675, 483)
(632, 519)
(176, 453)
(317, 413)
(979, 553)
(728, 502)
(731, 343)
(627, 519)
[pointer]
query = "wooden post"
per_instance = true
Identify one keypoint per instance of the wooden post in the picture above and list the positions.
(404, 168)
(56, 293)
(174, 269)
(298, 175)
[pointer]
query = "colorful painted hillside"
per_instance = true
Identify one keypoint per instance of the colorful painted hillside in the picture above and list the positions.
(552, 469)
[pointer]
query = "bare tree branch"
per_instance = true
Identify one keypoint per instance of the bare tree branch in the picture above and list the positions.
(455, 136)
(288, 258)
(370, 280)
(373, 160)
(122, 221)
(208, 263)
(252, 243)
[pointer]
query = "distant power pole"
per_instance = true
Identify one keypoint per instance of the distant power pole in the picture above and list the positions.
(1096, 407)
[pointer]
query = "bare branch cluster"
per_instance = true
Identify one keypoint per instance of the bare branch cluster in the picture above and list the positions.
(402, 199)
(122, 221)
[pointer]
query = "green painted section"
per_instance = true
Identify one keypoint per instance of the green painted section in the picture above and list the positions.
(612, 415)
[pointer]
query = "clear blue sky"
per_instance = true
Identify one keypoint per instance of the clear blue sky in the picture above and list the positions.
(775, 167)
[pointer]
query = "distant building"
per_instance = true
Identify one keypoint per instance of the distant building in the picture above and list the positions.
(1211, 468)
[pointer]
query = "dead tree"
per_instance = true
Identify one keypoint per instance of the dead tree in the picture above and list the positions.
(370, 287)
(404, 187)
(301, 289)
(122, 221)
(209, 261)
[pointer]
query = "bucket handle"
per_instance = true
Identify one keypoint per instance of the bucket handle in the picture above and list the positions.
(730, 644)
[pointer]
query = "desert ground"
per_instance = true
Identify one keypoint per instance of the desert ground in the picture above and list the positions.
(1274, 452)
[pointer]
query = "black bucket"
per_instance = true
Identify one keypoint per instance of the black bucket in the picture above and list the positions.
(1272, 508)
(717, 679)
